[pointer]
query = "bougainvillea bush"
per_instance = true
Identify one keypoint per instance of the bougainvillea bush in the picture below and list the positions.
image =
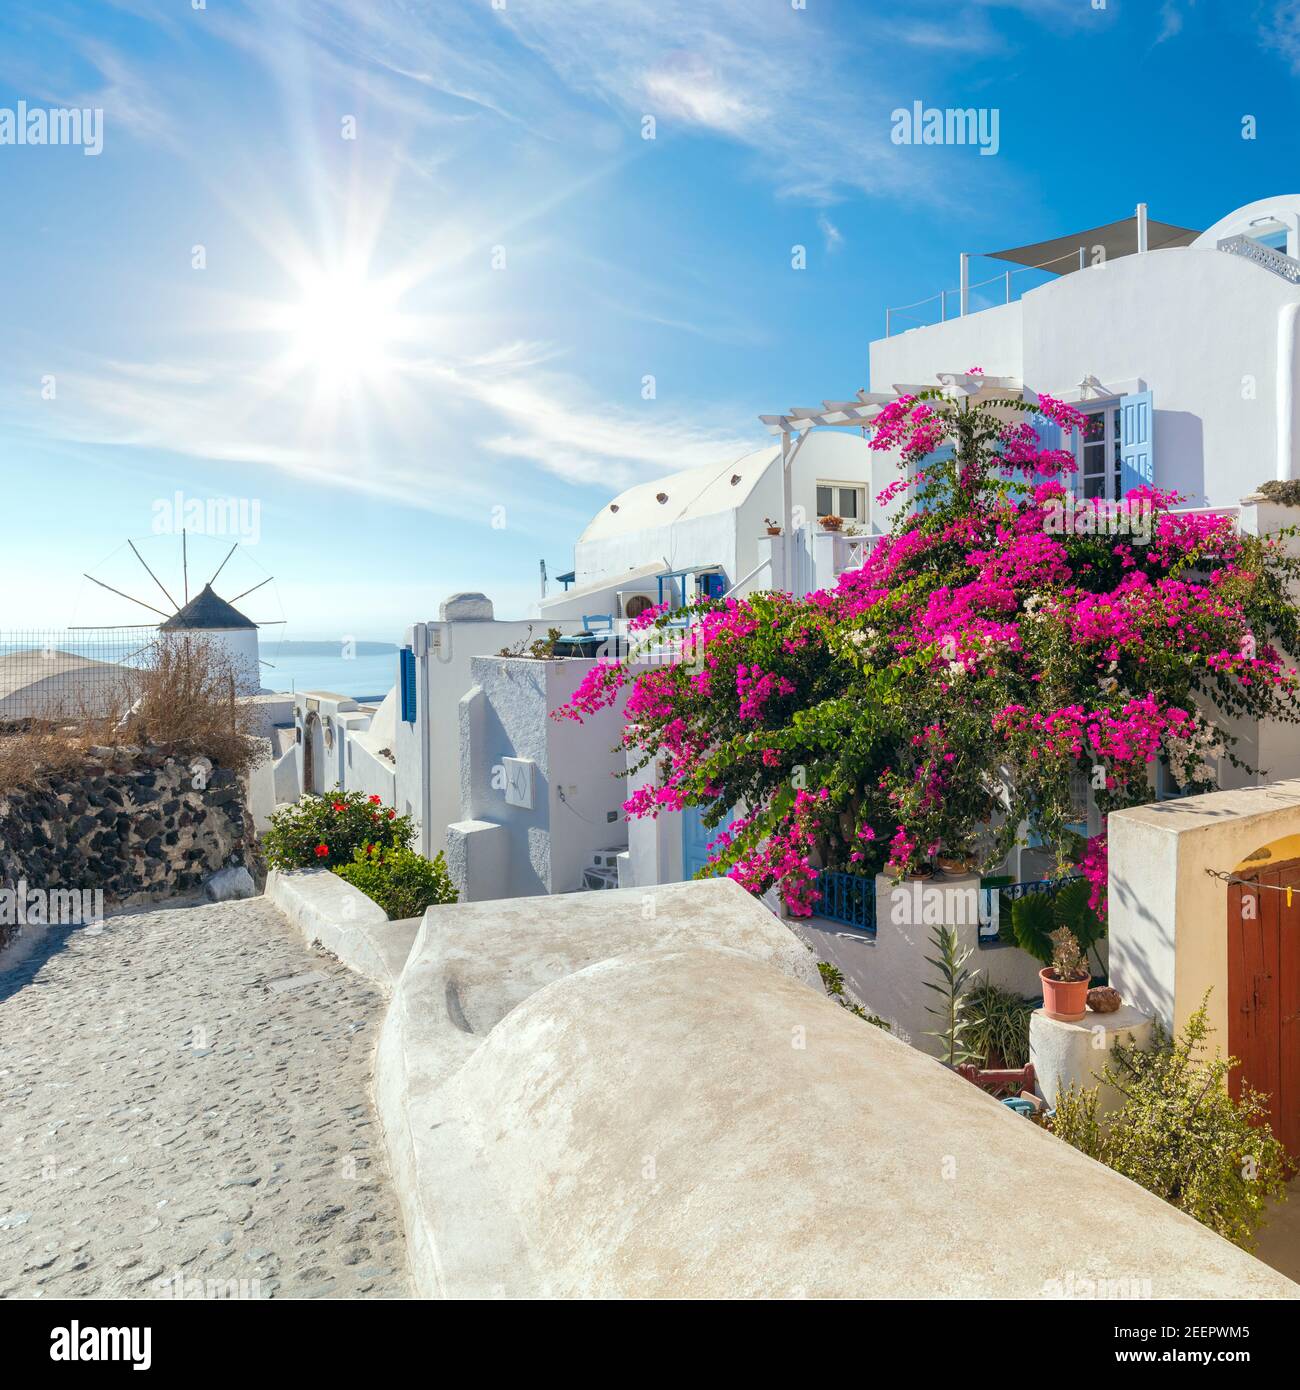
(937, 701)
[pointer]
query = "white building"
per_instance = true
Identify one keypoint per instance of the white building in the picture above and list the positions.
(1182, 346)
(705, 530)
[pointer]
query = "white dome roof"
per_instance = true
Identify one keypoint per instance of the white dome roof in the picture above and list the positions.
(721, 487)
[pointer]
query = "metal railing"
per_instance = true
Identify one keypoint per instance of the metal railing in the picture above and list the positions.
(71, 673)
(847, 898)
(850, 899)
(1276, 261)
(1004, 278)
(1013, 891)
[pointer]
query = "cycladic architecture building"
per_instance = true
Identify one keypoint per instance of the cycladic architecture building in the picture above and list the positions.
(1178, 345)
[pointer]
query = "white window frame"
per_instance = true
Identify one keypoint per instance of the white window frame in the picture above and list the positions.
(1107, 409)
(840, 486)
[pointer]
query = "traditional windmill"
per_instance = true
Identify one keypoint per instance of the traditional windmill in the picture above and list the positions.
(207, 615)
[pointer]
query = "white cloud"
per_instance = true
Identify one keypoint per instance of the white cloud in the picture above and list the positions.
(1171, 19)
(489, 412)
(1281, 32)
(833, 236)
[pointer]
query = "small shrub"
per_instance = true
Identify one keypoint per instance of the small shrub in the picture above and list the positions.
(1180, 1134)
(832, 977)
(953, 1012)
(401, 881)
(322, 832)
(536, 648)
(998, 1026)
(183, 697)
(833, 980)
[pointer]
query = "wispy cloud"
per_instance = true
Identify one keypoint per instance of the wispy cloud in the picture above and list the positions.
(1280, 31)
(832, 235)
(494, 410)
(958, 33)
(1171, 19)
(768, 77)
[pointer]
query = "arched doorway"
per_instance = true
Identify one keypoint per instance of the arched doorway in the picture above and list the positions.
(313, 752)
(1264, 985)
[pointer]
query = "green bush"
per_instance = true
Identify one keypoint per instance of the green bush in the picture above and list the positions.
(322, 832)
(401, 881)
(998, 1026)
(1180, 1134)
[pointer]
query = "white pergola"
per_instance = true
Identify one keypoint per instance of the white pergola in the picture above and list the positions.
(795, 425)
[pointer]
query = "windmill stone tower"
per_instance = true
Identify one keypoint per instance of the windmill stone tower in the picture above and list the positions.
(226, 629)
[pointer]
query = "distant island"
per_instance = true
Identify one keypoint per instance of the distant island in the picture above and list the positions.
(288, 647)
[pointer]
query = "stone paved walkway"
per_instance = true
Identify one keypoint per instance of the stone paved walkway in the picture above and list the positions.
(187, 1093)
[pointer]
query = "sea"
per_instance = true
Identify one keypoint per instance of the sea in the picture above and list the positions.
(295, 666)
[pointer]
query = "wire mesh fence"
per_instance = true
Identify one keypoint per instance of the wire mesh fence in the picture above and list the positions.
(71, 673)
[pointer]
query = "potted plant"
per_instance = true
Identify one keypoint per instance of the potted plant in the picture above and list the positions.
(832, 523)
(773, 527)
(1066, 980)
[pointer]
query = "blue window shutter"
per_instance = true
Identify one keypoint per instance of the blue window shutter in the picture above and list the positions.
(927, 461)
(1136, 441)
(1049, 433)
(407, 681)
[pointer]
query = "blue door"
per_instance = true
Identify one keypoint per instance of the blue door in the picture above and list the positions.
(695, 840)
(1136, 444)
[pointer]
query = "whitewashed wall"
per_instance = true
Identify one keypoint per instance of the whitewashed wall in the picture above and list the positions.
(428, 751)
(1198, 327)
(577, 795)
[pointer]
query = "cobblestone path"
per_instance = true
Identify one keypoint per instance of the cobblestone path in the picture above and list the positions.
(185, 1108)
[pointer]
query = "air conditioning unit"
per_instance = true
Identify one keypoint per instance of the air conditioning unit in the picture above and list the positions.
(597, 879)
(606, 860)
(625, 596)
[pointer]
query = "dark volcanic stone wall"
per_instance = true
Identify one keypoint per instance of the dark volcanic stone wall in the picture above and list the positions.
(129, 821)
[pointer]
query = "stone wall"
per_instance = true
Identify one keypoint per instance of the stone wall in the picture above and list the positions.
(129, 821)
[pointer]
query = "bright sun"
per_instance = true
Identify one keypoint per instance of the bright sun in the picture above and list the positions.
(343, 327)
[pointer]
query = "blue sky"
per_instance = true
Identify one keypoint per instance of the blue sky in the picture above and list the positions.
(411, 418)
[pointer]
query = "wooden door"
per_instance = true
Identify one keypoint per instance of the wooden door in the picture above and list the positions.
(1264, 993)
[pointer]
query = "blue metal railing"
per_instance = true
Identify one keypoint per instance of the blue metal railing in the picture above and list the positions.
(851, 899)
(847, 898)
(1037, 885)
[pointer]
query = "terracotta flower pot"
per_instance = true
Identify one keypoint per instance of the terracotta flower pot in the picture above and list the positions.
(1065, 1000)
(832, 523)
(773, 530)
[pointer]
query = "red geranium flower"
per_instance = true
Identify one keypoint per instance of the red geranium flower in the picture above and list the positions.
(374, 800)
(322, 851)
(340, 806)
(392, 815)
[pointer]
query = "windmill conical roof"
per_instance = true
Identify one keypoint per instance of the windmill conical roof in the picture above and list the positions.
(206, 610)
